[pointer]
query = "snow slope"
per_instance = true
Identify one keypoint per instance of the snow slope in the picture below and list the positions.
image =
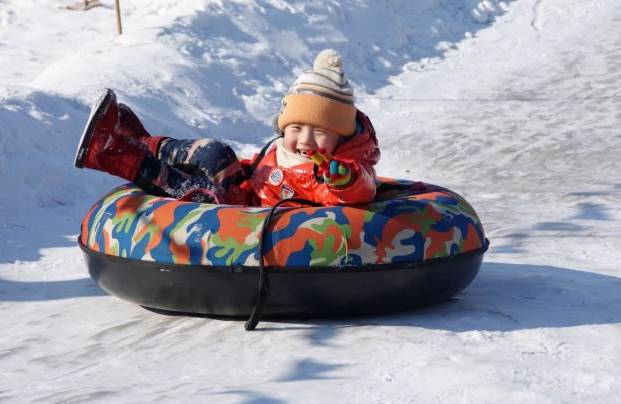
(516, 105)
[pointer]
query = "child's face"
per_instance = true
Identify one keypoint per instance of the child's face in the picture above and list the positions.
(300, 138)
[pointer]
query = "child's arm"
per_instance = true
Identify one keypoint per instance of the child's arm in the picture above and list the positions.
(344, 182)
(361, 188)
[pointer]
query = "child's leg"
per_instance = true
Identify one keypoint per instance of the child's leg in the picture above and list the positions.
(158, 178)
(204, 157)
(115, 141)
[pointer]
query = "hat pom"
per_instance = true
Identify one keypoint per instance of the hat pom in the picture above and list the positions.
(321, 97)
(327, 58)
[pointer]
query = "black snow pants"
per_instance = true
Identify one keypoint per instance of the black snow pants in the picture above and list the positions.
(201, 170)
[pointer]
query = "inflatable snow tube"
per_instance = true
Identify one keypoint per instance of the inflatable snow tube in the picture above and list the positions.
(414, 245)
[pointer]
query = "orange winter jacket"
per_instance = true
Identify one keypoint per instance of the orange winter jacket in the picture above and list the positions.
(270, 183)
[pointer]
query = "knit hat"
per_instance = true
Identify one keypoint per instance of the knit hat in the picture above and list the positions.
(321, 97)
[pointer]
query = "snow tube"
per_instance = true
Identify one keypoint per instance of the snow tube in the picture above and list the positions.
(415, 244)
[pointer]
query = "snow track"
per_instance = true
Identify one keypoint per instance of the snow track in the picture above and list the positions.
(516, 105)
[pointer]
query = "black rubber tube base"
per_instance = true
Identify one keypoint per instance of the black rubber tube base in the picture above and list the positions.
(294, 293)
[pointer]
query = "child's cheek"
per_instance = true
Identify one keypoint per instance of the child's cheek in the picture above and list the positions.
(290, 146)
(328, 144)
(290, 142)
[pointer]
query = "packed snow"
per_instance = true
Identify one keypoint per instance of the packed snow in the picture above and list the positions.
(516, 105)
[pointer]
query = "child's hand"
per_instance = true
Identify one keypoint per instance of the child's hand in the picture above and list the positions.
(335, 173)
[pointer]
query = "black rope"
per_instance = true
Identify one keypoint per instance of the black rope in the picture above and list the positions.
(263, 289)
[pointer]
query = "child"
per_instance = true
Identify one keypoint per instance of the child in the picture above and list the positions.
(325, 153)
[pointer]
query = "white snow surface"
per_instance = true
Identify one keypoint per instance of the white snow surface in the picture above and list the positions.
(514, 104)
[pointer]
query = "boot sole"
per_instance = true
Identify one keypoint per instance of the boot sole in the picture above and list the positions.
(98, 110)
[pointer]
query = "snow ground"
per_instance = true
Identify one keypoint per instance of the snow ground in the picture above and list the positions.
(516, 105)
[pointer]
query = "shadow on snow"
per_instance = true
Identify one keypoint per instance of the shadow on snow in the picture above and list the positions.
(504, 297)
(18, 291)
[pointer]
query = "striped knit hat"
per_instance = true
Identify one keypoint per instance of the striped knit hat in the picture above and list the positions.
(321, 97)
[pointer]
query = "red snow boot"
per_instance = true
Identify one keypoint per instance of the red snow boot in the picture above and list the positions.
(103, 148)
(98, 129)
(109, 118)
(130, 125)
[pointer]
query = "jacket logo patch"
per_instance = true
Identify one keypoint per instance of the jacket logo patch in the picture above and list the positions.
(276, 176)
(286, 192)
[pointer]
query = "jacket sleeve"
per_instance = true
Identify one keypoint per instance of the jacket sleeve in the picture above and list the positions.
(360, 190)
